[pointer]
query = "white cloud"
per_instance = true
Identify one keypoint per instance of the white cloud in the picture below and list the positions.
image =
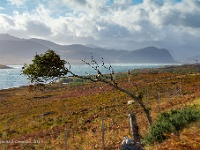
(17, 2)
(121, 23)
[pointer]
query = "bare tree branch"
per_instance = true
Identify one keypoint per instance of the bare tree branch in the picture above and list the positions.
(110, 80)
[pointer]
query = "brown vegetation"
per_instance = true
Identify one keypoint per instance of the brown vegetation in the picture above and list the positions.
(70, 115)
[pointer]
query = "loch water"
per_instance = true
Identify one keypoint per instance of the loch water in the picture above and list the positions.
(10, 78)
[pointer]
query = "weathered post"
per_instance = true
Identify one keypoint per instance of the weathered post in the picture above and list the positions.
(147, 96)
(87, 101)
(167, 94)
(134, 130)
(181, 90)
(103, 142)
(65, 138)
(158, 106)
(134, 143)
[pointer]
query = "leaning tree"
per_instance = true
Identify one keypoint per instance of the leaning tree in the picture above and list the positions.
(48, 67)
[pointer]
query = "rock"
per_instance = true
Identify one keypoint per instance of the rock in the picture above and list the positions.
(128, 144)
(130, 102)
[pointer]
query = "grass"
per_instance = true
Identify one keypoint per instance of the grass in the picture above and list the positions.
(79, 108)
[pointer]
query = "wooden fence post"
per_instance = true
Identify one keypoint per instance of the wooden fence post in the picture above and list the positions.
(86, 100)
(103, 132)
(65, 138)
(147, 95)
(134, 130)
(167, 94)
(158, 101)
(181, 90)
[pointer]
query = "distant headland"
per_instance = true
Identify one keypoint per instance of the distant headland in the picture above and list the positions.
(4, 67)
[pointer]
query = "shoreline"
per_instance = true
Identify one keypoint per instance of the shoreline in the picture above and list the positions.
(165, 68)
(5, 67)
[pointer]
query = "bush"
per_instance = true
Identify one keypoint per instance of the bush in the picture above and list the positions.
(170, 122)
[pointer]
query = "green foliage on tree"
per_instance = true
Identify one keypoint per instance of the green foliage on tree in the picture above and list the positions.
(45, 68)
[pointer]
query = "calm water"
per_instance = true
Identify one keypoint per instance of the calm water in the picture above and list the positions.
(10, 78)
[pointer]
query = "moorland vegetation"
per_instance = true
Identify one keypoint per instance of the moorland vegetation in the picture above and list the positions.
(70, 115)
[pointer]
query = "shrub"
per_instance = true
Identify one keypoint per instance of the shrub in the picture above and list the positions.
(169, 122)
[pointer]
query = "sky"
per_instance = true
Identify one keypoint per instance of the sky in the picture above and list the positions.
(119, 24)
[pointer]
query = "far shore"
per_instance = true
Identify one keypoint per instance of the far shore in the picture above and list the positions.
(167, 68)
(4, 67)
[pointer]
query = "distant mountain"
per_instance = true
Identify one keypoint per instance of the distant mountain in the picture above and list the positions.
(77, 52)
(147, 55)
(92, 46)
(8, 37)
(18, 51)
(45, 42)
(14, 50)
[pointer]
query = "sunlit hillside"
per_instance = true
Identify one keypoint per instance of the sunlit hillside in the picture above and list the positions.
(69, 116)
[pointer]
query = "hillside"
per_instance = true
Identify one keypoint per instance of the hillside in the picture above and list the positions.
(19, 51)
(14, 50)
(147, 55)
(67, 115)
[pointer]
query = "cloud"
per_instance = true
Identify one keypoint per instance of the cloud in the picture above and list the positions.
(80, 1)
(181, 14)
(117, 23)
(17, 2)
(6, 23)
(37, 29)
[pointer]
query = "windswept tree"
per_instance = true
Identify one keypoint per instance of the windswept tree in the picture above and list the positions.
(48, 66)
(45, 68)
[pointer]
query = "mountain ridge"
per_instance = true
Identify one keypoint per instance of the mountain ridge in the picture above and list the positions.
(146, 55)
(14, 50)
